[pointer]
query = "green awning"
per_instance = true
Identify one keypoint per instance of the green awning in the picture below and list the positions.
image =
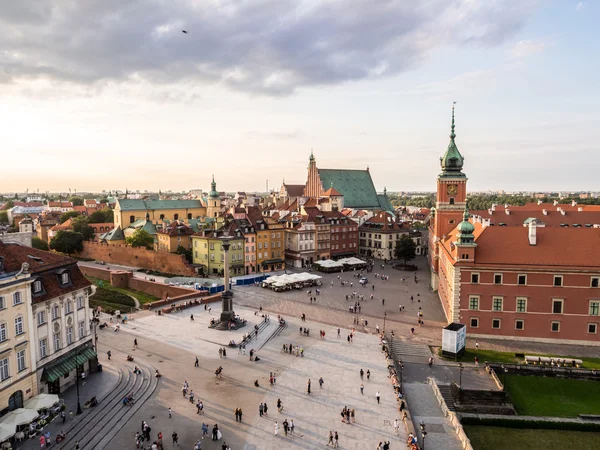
(67, 363)
(272, 261)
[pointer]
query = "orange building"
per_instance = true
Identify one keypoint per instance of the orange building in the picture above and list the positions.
(520, 278)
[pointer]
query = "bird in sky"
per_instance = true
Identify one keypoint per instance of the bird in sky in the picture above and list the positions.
(183, 31)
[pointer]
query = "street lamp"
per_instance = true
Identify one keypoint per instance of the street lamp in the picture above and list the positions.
(460, 368)
(504, 370)
(424, 434)
(79, 411)
(384, 316)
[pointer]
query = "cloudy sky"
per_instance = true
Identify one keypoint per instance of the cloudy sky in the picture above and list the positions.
(110, 94)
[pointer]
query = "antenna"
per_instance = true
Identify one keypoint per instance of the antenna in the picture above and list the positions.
(267, 185)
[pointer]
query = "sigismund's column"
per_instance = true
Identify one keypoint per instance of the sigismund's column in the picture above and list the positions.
(227, 314)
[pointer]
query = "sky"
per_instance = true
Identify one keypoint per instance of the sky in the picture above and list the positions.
(106, 94)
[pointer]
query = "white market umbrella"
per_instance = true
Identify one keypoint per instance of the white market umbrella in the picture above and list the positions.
(19, 416)
(41, 401)
(6, 432)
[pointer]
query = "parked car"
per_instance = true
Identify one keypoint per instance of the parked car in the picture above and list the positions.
(363, 281)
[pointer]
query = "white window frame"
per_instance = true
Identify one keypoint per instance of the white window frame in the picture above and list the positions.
(68, 309)
(55, 312)
(81, 327)
(64, 278)
(4, 369)
(595, 325)
(80, 302)
(501, 278)
(3, 331)
(594, 302)
(522, 322)
(554, 281)
(43, 347)
(471, 322)
(517, 304)
(597, 282)
(478, 277)
(21, 360)
(17, 300)
(519, 276)
(2, 303)
(552, 325)
(56, 341)
(41, 318)
(474, 297)
(69, 335)
(37, 286)
(19, 326)
(494, 298)
(499, 323)
(562, 305)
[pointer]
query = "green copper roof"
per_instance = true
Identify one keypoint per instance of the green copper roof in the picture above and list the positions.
(385, 203)
(149, 205)
(143, 224)
(213, 189)
(452, 161)
(355, 185)
(466, 229)
(116, 234)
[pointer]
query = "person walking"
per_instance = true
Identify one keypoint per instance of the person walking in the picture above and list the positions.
(265, 408)
(330, 441)
(361, 374)
(321, 382)
(396, 425)
(220, 352)
(135, 344)
(215, 432)
(378, 396)
(170, 413)
(175, 438)
(285, 427)
(476, 362)
(292, 426)
(260, 410)
(336, 439)
(279, 405)
(368, 374)
(240, 413)
(308, 388)
(109, 354)
(362, 388)
(276, 429)
(197, 363)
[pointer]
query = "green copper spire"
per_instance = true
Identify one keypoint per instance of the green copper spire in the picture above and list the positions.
(466, 228)
(213, 188)
(312, 157)
(452, 161)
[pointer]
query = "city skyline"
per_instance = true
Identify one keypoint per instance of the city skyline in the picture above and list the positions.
(93, 100)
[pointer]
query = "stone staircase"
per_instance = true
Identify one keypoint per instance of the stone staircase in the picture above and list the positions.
(103, 422)
(446, 392)
(408, 351)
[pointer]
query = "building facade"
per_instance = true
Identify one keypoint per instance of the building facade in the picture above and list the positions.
(175, 235)
(128, 211)
(378, 236)
(207, 250)
(343, 235)
(300, 236)
(519, 278)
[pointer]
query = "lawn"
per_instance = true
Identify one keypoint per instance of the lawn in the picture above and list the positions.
(496, 438)
(142, 297)
(539, 396)
(509, 358)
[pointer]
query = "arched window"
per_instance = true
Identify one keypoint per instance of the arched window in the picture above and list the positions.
(176, 217)
(162, 216)
(131, 219)
(452, 200)
(189, 216)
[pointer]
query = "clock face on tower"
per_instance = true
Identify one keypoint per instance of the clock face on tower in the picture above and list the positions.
(452, 189)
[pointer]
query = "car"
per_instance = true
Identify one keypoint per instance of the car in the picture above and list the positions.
(364, 280)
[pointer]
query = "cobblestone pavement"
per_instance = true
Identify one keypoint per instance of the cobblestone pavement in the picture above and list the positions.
(172, 342)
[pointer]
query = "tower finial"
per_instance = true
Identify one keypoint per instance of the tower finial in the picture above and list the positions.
(385, 191)
(312, 157)
(466, 214)
(452, 134)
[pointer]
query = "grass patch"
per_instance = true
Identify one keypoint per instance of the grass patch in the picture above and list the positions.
(539, 396)
(142, 297)
(496, 438)
(114, 297)
(509, 358)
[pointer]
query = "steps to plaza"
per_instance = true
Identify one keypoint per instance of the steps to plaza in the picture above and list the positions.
(409, 351)
(101, 423)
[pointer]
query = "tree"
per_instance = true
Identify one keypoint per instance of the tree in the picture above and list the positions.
(81, 225)
(141, 238)
(66, 216)
(67, 242)
(181, 250)
(3, 217)
(102, 216)
(38, 243)
(9, 204)
(406, 249)
(77, 201)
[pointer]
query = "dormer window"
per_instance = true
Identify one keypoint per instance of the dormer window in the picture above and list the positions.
(37, 286)
(64, 278)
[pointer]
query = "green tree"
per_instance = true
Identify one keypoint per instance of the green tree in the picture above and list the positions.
(9, 204)
(67, 242)
(38, 243)
(77, 201)
(3, 217)
(406, 249)
(184, 251)
(81, 225)
(102, 216)
(141, 238)
(66, 216)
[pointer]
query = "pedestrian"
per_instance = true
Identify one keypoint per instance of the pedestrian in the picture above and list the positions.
(135, 343)
(109, 354)
(175, 438)
(352, 413)
(476, 346)
(200, 407)
(396, 425)
(330, 441)
(215, 433)
(204, 429)
(197, 363)
(361, 374)
(276, 429)
(192, 396)
(338, 332)
(383, 301)
(236, 414)
(63, 416)
(377, 328)
(412, 331)
(220, 352)
(368, 374)
(476, 361)
(260, 410)
(191, 317)
(336, 439)
(292, 426)
(77, 445)
(308, 389)
(240, 413)
(279, 405)
(265, 408)
(321, 382)
(362, 388)
(170, 413)
(224, 352)
(378, 396)
(285, 427)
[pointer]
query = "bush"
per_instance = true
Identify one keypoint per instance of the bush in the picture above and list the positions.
(532, 424)
(38, 243)
(113, 297)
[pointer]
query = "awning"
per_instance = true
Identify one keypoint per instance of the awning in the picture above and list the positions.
(67, 363)
(19, 416)
(272, 261)
(41, 401)
(7, 431)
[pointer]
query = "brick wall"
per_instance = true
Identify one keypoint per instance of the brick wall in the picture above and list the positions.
(96, 272)
(158, 289)
(137, 257)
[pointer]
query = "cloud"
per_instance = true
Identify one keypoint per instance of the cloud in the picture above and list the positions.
(526, 48)
(260, 46)
(579, 6)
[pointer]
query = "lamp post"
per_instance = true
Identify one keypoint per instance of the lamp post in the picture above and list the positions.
(460, 370)
(504, 370)
(423, 433)
(384, 316)
(77, 379)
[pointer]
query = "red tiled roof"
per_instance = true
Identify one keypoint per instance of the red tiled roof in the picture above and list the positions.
(80, 209)
(294, 190)
(60, 204)
(383, 221)
(177, 228)
(66, 225)
(552, 218)
(332, 192)
(28, 204)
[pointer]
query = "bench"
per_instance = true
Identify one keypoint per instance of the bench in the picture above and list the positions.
(548, 361)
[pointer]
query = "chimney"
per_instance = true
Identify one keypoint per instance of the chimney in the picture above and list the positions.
(490, 211)
(494, 207)
(580, 208)
(573, 203)
(506, 205)
(555, 202)
(532, 233)
(563, 212)
(507, 211)
(486, 223)
(545, 212)
(539, 202)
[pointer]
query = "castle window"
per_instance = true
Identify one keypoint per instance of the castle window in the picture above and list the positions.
(189, 216)
(176, 217)
(452, 200)
(131, 219)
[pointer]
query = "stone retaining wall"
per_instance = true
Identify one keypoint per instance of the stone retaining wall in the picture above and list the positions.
(460, 432)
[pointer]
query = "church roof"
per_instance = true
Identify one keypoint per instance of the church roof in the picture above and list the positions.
(332, 192)
(355, 185)
(116, 234)
(149, 205)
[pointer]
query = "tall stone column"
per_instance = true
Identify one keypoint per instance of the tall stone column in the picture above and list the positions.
(227, 299)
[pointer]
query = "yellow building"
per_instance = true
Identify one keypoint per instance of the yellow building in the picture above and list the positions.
(18, 381)
(270, 243)
(129, 211)
(208, 251)
(175, 235)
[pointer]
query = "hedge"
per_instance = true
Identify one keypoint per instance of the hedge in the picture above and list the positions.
(104, 295)
(531, 424)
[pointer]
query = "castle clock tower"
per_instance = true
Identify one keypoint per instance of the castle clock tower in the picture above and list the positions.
(450, 201)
